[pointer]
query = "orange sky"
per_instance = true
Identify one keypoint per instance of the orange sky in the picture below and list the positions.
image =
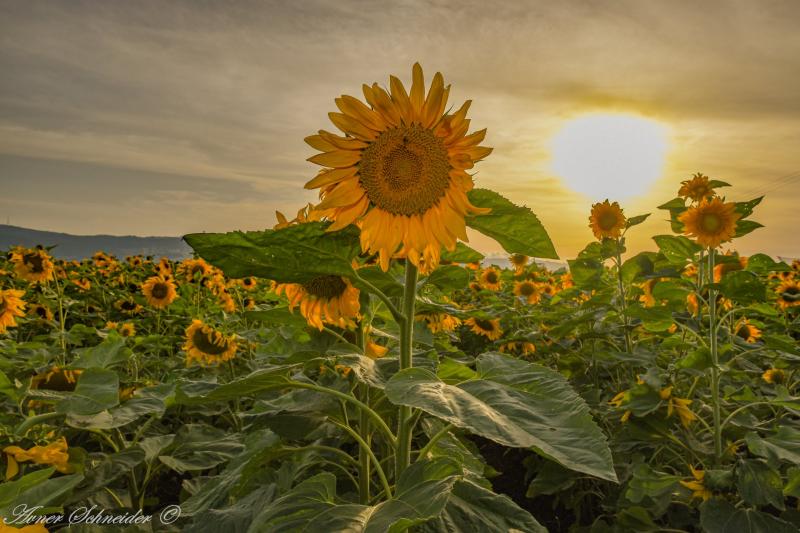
(169, 118)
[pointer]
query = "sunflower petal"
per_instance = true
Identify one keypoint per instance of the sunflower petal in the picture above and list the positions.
(337, 158)
(352, 127)
(417, 96)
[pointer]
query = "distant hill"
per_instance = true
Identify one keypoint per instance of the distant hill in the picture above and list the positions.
(81, 246)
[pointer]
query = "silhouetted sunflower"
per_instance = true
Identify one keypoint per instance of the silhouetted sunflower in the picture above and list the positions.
(607, 220)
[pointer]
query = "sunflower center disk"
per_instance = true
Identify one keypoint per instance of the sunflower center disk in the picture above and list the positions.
(326, 287)
(607, 221)
(491, 277)
(160, 291)
(711, 222)
(34, 261)
(405, 171)
(527, 289)
(203, 342)
(485, 325)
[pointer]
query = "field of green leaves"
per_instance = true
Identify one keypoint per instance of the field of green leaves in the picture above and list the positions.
(360, 368)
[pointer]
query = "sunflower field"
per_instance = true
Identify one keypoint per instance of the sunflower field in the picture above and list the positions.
(360, 368)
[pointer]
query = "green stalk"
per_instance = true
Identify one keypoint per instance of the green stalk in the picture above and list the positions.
(712, 317)
(404, 430)
(622, 304)
(362, 393)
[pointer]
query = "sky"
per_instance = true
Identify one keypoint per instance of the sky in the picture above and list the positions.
(166, 118)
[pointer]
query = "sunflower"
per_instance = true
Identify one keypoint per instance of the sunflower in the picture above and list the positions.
(83, 284)
(697, 188)
(41, 311)
(206, 346)
(647, 298)
(437, 322)
(490, 279)
(56, 378)
(324, 300)
(528, 290)
(695, 484)
(400, 173)
(747, 331)
(487, 327)
(566, 280)
(723, 268)
(692, 303)
(711, 222)
(194, 270)
(32, 265)
(519, 261)
(774, 375)
(249, 304)
(788, 294)
(690, 271)
(159, 292)
(249, 283)
(607, 220)
(54, 454)
(679, 406)
(127, 329)
(521, 348)
(128, 307)
(11, 306)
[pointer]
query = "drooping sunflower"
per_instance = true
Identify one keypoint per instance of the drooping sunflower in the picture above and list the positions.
(83, 284)
(207, 346)
(486, 327)
(400, 173)
(324, 300)
(711, 222)
(490, 279)
(54, 454)
(747, 331)
(788, 294)
(128, 307)
(437, 322)
(696, 485)
(194, 270)
(56, 378)
(607, 220)
(723, 268)
(698, 188)
(528, 290)
(40, 311)
(521, 348)
(159, 292)
(774, 375)
(11, 306)
(32, 265)
(519, 262)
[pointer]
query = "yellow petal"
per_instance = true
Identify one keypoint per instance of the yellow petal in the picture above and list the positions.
(401, 100)
(337, 158)
(352, 126)
(433, 103)
(417, 96)
(344, 194)
(326, 177)
(352, 107)
(318, 143)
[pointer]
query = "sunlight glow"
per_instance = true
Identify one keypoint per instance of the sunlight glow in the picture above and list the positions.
(609, 156)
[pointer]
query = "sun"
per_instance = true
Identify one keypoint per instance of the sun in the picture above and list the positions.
(609, 155)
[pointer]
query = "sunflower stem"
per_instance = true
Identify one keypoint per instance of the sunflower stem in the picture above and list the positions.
(622, 302)
(404, 429)
(712, 332)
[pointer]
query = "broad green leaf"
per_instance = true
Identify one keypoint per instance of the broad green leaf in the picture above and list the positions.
(635, 221)
(462, 254)
(746, 208)
(6, 387)
(792, 487)
(200, 447)
(653, 318)
(296, 254)
(698, 359)
(297, 507)
(516, 404)
(472, 507)
(721, 516)
(516, 228)
(36, 489)
(743, 287)
(551, 478)
(759, 484)
(110, 468)
(763, 264)
(386, 282)
(422, 493)
(258, 381)
(96, 391)
(278, 316)
(650, 483)
(743, 227)
(677, 248)
(111, 352)
(586, 273)
(641, 264)
(783, 445)
(449, 277)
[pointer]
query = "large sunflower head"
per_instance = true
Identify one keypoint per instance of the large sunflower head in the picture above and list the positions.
(490, 279)
(486, 327)
(195, 270)
(711, 222)
(529, 290)
(32, 265)
(324, 300)
(11, 306)
(788, 294)
(207, 346)
(159, 292)
(400, 171)
(607, 220)
(698, 188)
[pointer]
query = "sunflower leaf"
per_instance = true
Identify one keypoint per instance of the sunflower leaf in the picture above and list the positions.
(462, 254)
(517, 229)
(296, 254)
